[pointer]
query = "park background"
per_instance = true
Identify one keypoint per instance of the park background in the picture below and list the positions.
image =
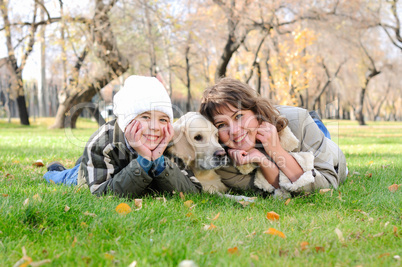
(340, 58)
(63, 60)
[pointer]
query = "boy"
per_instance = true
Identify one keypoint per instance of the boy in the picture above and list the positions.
(125, 156)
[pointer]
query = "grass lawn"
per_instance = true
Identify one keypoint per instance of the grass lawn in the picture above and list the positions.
(358, 225)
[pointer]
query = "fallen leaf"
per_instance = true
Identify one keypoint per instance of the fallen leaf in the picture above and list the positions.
(133, 264)
(26, 202)
(162, 221)
(393, 188)
(323, 191)
(74, 241)
(188, 203)
(233, 250)
(370, 162)
(379, 234)
(138, 203)
(39, 263)
(287, 201)
(355, 172)
(303, 245)
(38, 163)
(36, 197)
(385, 166)
(252, 234)
(189, 214)
(181, 195)
(4, 195)
(272, 216)
(123, 208)
(84, 225)
(384, 255)
(209, 226)
(273, 231)
(163, 199)
(386, 224)
(89, 214)
(397, 257)
(339, 234)
(66, 208)
(216, 216)
(369, 174)
(109, 256)
(395, 230)
(245, 203)
(318, 249)
(254, 257)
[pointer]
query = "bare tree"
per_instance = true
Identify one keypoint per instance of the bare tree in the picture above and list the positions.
(393, 31)
(81, 91)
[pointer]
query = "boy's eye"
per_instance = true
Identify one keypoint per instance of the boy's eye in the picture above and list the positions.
(146, 117)
(164, 120)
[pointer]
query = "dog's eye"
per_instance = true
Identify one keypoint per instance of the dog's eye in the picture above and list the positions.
(198, 137)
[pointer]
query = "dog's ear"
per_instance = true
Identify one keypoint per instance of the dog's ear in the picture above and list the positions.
(181, 147)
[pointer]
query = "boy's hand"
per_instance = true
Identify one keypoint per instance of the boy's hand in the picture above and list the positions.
(168, 133)
(133, 135)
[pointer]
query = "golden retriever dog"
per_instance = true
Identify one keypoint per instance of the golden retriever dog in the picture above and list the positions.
(196, 143)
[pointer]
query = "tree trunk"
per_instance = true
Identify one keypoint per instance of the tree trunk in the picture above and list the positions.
(22, 110)
(80, 93)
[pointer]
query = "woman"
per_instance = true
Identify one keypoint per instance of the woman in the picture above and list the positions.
(278, 150)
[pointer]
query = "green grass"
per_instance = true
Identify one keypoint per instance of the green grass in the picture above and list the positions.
(165, 233)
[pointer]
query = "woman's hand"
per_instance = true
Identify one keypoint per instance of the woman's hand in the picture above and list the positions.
(134, 135)
(241, 157)
(168, 133)
(269, 138)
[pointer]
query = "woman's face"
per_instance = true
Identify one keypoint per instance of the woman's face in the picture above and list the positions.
(237, 128)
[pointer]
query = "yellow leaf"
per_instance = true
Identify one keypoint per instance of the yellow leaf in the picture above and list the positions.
(370, 162)
(339, 234)
(287, 201)
(393, 188)
(189, 214)
(66, 208)
(89, 214)
(123, 208)
(209, 227)
(323, 191)
(36, 197)
(303, 245)
(4, 195)
(84, 225)
(273, 231)
(233, 250)
(216, 216)
(74, 241)
(272, 216)
(188, 203)
(109, 256)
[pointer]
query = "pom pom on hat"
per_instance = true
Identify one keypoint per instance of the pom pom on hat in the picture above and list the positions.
(140, 94)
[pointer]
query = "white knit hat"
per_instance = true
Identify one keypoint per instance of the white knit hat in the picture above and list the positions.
(140, 94)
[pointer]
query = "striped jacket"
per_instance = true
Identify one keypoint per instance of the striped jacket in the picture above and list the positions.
(109, 166)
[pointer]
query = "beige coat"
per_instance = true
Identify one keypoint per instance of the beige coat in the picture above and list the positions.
(322, 161)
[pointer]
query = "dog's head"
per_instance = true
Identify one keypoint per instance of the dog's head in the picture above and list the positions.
(196, 142)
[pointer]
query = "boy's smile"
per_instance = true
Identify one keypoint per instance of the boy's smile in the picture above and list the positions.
(152, 126)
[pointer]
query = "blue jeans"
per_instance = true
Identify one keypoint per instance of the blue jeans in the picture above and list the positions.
(68, 177)
(322, 128)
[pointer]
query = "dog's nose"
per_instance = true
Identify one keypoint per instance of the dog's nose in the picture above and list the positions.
(220, 153)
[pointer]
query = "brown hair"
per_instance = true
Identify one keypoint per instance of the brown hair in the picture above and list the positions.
(228, 91)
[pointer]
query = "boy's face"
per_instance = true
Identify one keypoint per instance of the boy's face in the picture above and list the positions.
(152, 124)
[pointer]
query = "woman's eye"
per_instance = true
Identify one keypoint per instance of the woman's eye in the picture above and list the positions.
(238, 116)
(219, 126)
(198, 137)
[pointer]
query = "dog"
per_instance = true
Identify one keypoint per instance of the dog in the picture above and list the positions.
(196, 143)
